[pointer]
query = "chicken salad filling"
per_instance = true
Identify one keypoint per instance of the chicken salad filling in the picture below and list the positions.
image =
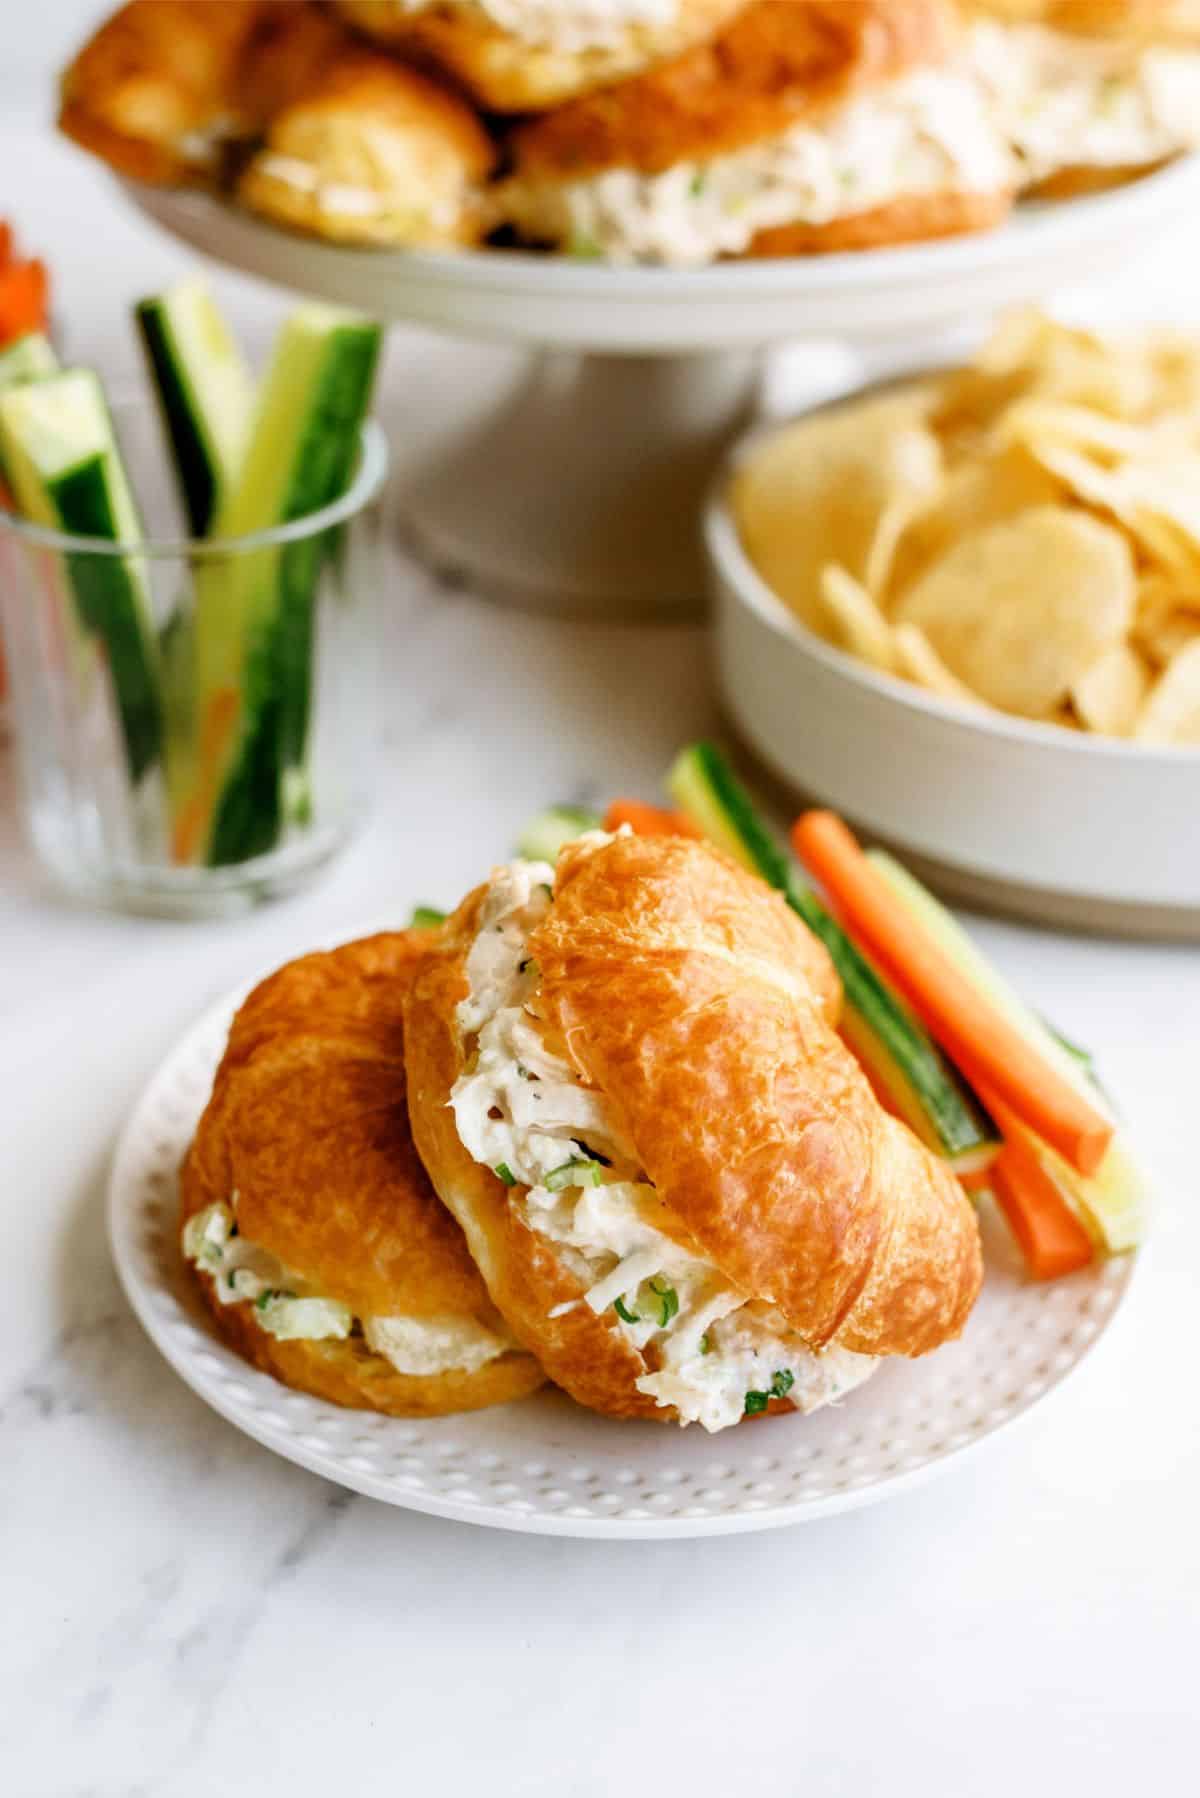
(288, 1309)
(569, 26)
(924, 134)
(520, 1109)
(1067, 101)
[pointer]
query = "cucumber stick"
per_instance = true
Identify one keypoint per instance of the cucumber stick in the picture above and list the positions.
(30, 358)
(545, 835)
(65, 469)
(254, 617)
(1113, 1201)
(205, 392)
(902, 1060)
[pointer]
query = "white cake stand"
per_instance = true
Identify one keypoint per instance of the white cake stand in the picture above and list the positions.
(565, 470)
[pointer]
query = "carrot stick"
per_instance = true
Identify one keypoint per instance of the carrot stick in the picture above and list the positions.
(985, 1046)
(22, 299)
(648, 820)
(1051, 1237)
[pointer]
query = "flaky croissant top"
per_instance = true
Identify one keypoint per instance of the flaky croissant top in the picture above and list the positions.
(690, 995)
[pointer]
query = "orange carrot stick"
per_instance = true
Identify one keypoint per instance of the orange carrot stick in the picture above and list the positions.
(1050, 1236)
(985, 1046)
(23, 291)
(648, 820)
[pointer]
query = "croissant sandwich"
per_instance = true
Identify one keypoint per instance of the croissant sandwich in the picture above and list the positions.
(373, 152)
(625, 1082)
(1089, 93)
(514, 56)
(805, 126)
(154, 92)
(308, 1221)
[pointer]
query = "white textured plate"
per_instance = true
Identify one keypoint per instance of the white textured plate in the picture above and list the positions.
(547, 1466)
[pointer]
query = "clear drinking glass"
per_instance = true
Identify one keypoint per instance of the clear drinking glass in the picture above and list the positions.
(210, 745)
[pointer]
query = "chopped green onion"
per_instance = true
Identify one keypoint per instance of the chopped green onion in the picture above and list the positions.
(545, 887)
(503, 1172)
(424, 916)
(705, 1345)
(783, 1382)
(756, 1402)
(626, 1316)
(566, 1175)
(698, 182)
(668, 1300)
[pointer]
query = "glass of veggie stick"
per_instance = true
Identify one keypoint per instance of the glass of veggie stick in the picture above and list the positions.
(193, 715)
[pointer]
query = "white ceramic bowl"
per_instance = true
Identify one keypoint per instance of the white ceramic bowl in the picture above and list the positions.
(1049, 823)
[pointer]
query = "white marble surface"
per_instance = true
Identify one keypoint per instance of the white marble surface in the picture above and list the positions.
(187, 1616)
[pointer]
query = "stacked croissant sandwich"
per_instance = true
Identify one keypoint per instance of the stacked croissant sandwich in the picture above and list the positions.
(639, 130)
(598, 1128)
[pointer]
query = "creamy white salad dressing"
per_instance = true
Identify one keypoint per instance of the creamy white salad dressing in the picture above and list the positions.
(925, 134)
(290, 1311)
(1066, 101)
(521, 1110)
(347, 199)
(569, 26)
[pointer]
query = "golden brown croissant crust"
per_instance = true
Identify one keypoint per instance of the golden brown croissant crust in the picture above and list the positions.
(915, 218)
(308, 1124)
(154, 76)
(504, 73)
(780, 63)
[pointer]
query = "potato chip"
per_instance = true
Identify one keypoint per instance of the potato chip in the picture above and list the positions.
(977, 494)
(1026, 527)
(918, 661)
(814, 494)
(858, 624)
(1037, 421)
(1167, 615)
(1020, 610)
(1172, 712)
(1109, 695)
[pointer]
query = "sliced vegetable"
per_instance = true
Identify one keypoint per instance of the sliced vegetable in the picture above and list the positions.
(544, 836)
(65, 469)
(27, 358)
(205, 391)
(254, 617)
(782, 1383)
(503, 1172)
(905, 1066)
(1114, 1200)
(648, 820)
(424, 917)
(981, 1040)
(24, 299)
(1051, 1237)
(581, 1170)
(668, 1299)
(622, 1311)
(756, 1402)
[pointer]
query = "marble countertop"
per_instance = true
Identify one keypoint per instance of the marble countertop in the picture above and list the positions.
(187, 1615)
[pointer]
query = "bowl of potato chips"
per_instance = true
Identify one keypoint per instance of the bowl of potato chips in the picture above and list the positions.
(965, 609)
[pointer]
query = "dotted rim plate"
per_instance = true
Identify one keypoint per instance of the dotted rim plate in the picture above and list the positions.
(547, 1466)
